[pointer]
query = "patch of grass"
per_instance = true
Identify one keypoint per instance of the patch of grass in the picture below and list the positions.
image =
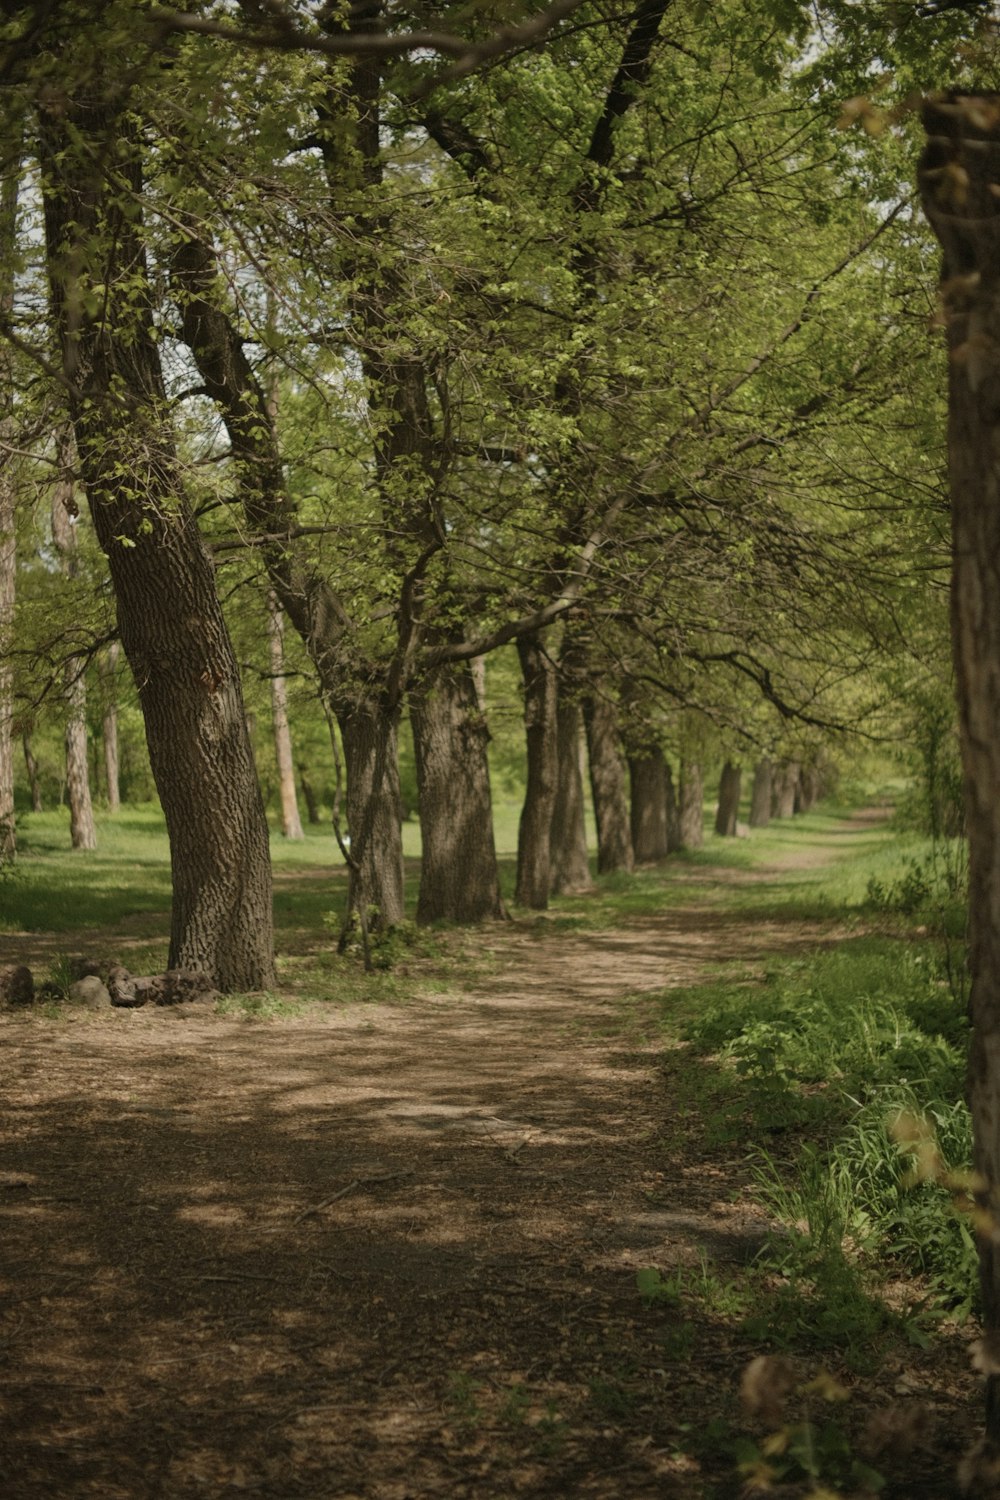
(261, 1005)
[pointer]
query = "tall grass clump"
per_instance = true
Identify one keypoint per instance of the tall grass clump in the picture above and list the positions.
(834, 1047)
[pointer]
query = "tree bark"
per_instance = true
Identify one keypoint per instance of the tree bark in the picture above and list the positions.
(673, 811)
(570, 862)
(82, 828)
(534, 861)
(690, 802)
(808, 788)
(291, 823)
(607, 784)
(171, 624)
(369, 731)
(309, 796)
(760, 797)
(649, 819)
(109, 728)
(960, 186)
(459, 879)
(8, 544)
(784, 781)
(728, 810)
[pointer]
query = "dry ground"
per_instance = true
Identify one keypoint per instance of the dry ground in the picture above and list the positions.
(386, 1252)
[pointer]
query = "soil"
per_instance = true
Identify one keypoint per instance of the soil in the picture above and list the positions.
(391, 1252)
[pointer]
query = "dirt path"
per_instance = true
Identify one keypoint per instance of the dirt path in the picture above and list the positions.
(379, 1253)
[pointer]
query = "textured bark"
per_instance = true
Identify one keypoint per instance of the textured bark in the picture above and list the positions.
(570, 862)
(459, 880)
(607, 784)
(8, 573)
(291, 823)
(369, 732)
(785, 779)
(170, 621)
(960, 184)
(8, 546)
(728, 809)
(649, 820)
(690, 802)
(109, 728)
(760, 797)
(82, 828)
(534, 864)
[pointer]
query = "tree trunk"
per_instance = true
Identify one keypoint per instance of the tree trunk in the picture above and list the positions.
(109, 728)
(291, 823)
(171, 624)
(783, 784)
(607, 784)
(368, 720)
(31, 766)
(8, 545)
(308, 795)
(728, 810)
(649, 821)
(8, 574)
(534, 858)
(370, 733)
(690, 815)
(808, 788)
(760, 797)
(82, 828)
(459, 880)
(960, 184)
(570, 863)
(673, 811)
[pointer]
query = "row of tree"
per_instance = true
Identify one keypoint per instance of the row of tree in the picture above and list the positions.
(605, 349)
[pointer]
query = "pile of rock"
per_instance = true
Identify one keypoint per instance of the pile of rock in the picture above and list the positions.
(100, 987)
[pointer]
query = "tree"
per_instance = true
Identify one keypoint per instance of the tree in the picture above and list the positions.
(64, 514)
(960, 188)
(171, 624)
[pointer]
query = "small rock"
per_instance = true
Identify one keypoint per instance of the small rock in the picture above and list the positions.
(148, 990)
(89, 992)
(123, 989)
(17, 987)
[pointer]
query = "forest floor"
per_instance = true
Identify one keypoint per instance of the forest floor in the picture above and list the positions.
(391, 1251)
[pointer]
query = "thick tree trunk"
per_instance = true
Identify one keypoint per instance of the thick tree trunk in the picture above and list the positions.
(607, 784)
(82, 828)
(690, 803)
(291, 823)
(960, 183)
(534, 859)
(760, 797)
(8, 574)
(8, 546)
(459, 880)
(109, 728)
(648, 803)
(370, 734)
(784, 780)
(171, 624)
(31, 766)
(570, 862)
(728, 810)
